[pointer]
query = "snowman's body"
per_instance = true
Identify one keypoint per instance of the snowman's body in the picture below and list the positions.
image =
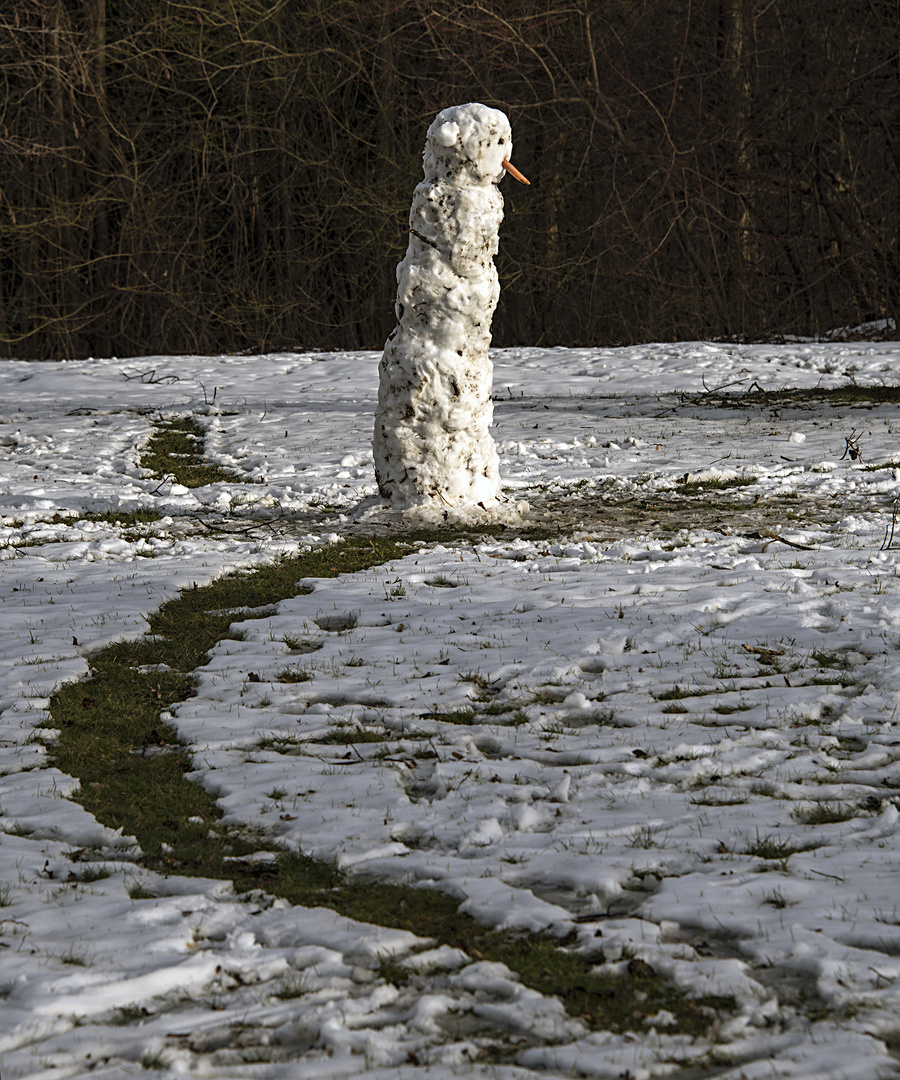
(432, 446)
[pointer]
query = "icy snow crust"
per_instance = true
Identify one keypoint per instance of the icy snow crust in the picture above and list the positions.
(595, 804)
(433, 448)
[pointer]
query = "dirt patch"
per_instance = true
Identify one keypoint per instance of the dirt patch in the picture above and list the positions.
(608, 517)
(600, 515)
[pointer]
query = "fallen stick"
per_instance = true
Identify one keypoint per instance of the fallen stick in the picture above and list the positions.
(766, 656)
(784, 540)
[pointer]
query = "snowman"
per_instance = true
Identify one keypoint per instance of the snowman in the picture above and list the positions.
(433, 450)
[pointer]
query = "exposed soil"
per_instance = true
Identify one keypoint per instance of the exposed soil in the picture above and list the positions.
(602, 516)
(612, 517)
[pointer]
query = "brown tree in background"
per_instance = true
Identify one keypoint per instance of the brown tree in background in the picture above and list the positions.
(227, 175)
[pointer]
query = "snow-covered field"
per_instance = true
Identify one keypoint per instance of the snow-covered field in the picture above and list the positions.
(678, 705)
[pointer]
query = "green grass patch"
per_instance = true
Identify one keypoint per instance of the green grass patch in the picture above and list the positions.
(347, 736)
(176, 450)
(771, 848)
(394, 973)
(108, 722)
(17, 829)
(128, 1014)
(485, 712)
(765, 789)
(294, 675)
(697, 487)
(827, 814)
(451, 716)
(835, 396)
(282, 744)
(93, 873)
(292, 989)
(550, 695)
(106, 726)
(498, 708)
(776, 899)
(138, 891)
(73, 957)
(611, 1001)
(187, 627)
(676, 694)
(830, 660)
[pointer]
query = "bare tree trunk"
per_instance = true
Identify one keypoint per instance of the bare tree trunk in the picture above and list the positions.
(738, 41)
(102, 255)
(59, 182)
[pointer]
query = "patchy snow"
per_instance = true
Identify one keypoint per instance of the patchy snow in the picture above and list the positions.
(628, 734)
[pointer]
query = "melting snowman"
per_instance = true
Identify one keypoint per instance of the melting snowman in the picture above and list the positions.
(433, 449)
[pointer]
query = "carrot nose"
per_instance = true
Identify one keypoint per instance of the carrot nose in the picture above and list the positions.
(513, 171)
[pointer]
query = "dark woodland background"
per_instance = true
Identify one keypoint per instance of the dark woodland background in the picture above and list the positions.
(228, 175)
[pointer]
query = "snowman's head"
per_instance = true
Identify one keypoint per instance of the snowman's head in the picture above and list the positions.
(468, 144)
